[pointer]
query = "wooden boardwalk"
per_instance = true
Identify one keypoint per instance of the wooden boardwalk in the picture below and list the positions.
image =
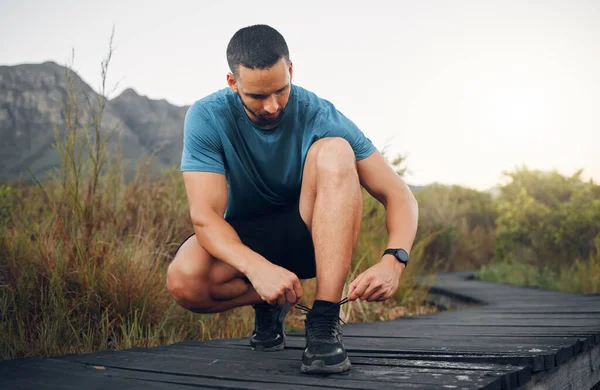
(508, 337)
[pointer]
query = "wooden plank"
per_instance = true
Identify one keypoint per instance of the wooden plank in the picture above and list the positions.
(550, 352)
(512, 376)
(580, 319)
(49, 373)
(512, 299)
(397, 328)
(536, 361)
(295, 355)
(204, 382)
(458, 333)
(531, 341)
(418, 328)
(541, 309)
(487, 330)
(282, 371)
(502, 322)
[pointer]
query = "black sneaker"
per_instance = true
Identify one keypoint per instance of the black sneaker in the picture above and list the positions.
(324, 352)
(268, 334)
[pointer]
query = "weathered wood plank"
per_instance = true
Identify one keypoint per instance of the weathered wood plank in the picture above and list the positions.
(399, 329)
(516, 338)
(283, 371)
(212, 383)
(536, 361)
(502, 322)
(48, 373)
(512, 376)
(550, 353)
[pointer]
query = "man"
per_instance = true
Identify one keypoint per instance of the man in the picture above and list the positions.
(273, 175)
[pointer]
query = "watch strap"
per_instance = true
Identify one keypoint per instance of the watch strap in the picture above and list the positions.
(393, 251)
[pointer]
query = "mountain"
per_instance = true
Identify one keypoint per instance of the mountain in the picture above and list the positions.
(32, 97)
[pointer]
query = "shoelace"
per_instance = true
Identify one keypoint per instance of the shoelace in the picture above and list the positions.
(308, 309)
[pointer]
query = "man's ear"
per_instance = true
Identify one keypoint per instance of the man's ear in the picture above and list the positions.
(291, 69)
(232, 82)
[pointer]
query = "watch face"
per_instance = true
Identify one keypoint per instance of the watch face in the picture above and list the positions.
(402, 255)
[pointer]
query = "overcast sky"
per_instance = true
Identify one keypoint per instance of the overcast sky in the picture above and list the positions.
(464, 89)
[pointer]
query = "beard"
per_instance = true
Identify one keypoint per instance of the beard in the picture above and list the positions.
(261, 120)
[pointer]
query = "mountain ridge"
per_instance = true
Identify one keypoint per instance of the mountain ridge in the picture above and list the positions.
(31, 105)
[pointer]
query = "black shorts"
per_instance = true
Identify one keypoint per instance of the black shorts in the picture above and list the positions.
(281, 237)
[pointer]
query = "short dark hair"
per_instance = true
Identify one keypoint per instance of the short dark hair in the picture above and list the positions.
(256, 47)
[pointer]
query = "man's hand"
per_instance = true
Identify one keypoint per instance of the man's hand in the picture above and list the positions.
(275, 284)
(378, 283)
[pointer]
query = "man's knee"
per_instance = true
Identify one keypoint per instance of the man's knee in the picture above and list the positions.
(190, 291)
(336, 157)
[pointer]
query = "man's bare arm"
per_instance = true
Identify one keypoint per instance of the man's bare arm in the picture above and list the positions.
(207, 199)
(380, 281)
(402, 212)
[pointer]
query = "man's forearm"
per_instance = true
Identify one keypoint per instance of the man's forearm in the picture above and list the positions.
(402, 216)
(220, 240)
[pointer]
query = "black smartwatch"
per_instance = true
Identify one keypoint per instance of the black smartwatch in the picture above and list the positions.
(400, 254)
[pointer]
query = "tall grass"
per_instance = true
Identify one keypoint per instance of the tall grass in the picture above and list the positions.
(83, 253)
(579, 276)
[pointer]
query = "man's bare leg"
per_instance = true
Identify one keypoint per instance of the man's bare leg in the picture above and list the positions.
(331, 205)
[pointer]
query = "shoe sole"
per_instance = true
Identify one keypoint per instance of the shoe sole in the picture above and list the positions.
(319, 367)
(277, 347)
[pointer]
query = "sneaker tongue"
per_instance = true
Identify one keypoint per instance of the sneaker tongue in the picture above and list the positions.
(325, 307)
(266, 316)
(322, 325)
(323, 316)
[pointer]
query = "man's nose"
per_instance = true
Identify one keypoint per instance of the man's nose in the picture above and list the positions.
(271, 105)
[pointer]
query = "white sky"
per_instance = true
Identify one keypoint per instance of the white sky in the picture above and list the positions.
(465, 89)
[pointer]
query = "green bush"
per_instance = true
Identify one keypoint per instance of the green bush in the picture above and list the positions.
(548, 232)
(461, 222)
(546, 219)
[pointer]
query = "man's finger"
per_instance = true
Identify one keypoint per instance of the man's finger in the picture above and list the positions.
(373, 287)
(352, 293)
(298, 289)
(281, 300)
(290, 296)
(382, 298)
(354, 283)
(359, 290)
(376, 295)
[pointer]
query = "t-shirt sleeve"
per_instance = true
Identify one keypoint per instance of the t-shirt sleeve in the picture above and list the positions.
(337, 124)
(202, 147)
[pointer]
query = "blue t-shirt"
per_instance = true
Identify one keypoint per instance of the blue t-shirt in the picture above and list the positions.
(263, 168)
